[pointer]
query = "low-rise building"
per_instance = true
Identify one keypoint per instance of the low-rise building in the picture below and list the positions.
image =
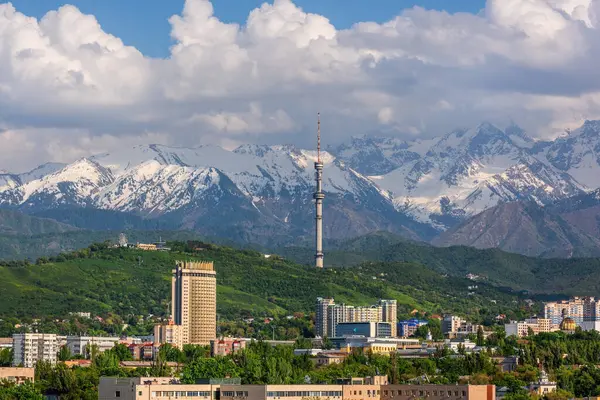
(368, 329)
(29, 348)
(543, 386)
(17, 375)
(142, 351)
(375, 388)
(226, 346)
(409, 327)
(330, 357)
(438, 392)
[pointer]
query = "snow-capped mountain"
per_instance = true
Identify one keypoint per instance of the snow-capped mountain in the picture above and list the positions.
(416, 188)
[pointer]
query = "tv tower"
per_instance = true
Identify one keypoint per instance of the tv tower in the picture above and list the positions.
(319, 196)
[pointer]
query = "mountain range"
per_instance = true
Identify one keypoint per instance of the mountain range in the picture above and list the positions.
(485, 187)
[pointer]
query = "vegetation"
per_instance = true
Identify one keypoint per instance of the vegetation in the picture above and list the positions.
(128, 283)
(556, 277)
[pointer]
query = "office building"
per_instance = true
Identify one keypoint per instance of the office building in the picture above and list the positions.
(169, 334)
(194, 301)
(409, 327)
(84, 345)
(29, 348)
(438, 392)
(368, 329)
(329, 315)
(373, 388)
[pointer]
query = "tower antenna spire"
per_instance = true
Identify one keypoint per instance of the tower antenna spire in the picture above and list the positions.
(319, 137)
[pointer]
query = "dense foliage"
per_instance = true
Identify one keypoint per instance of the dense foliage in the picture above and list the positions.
(128, 282)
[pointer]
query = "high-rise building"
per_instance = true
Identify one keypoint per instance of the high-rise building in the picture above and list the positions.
(451, 324)
(29, 348)
(579, 309)
(194, 301)
(321, 316)
(389, 313)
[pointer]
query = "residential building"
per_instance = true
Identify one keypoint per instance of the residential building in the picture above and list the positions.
(83, 345)
(368, 329)
(169, 333)
(389, 313)
(438, 392)
(536, 325)
(194, 304)
(142, 351)
(226, 346)
(17, 375)
(328, 315)
(29, 348)
(409, 327)
(331, 357)
(578, 308)
(321, 316)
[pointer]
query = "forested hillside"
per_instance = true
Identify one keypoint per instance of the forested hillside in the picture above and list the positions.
(125, 281)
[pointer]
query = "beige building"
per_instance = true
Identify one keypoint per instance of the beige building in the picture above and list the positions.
(17, 375)
(29, 348)
(194, 301)
(438, 392)
(537, 325)
(375, 388)
(389, 313)
(169, 333)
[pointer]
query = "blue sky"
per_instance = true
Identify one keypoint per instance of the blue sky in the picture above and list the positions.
(143, 23)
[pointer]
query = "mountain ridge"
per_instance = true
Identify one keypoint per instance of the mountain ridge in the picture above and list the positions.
(263, 193)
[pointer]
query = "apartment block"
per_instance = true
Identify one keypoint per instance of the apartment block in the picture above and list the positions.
(83, 345)
(329, 315)
(169, 334)
(537, 325)
(226, 346)
(194, 304)
(577, 308)
(29, 348)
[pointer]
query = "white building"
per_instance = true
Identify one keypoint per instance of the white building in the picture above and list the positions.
(83, 344)
(29, 348)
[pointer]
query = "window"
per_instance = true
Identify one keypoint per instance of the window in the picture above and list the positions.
(464, 392)
(118, 393)
(140, 393)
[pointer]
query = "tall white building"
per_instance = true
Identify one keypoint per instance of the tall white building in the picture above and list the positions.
(29, 348)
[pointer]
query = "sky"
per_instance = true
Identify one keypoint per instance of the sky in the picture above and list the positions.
(98, 75)
(144, 23)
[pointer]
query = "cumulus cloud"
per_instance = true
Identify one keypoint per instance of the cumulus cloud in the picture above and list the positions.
(68, 89)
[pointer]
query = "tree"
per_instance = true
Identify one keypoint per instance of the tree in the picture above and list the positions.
(6, 356)
(480, 339)
(26, 391)
(64, 354)
(122, 352)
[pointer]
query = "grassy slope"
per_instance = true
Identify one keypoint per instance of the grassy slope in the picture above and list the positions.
(537, 275)
(248, 284)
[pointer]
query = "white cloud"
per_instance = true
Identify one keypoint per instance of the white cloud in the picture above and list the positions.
(67, 88)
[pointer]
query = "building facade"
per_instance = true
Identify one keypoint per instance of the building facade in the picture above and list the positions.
(17, 375)
(29, 348)
(537, 325)
(194, 303)
(409, 327)
(578, 308)
(368, 329)
(84, 345)
(226, 346)
(328, 315)
(169, 334)
(375, 388)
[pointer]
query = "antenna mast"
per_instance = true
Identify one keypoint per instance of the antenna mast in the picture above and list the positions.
(318, 137)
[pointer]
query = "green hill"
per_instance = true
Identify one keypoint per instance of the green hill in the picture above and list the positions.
(126, 281)
(16, 223)
(577, 276)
